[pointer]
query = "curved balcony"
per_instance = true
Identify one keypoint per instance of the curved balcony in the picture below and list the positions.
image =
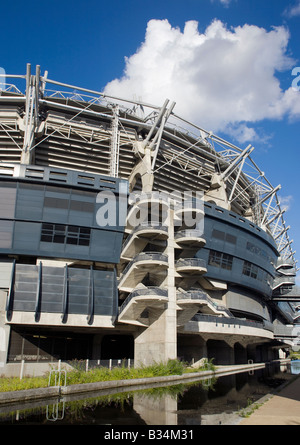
(287, 271)
(228, 326)
(189, 211)
(283, 280)
(190, 237)
(135, 309)
(192, 301)
(209, 306)
(142, 204)
(284, 265)
(140, 237)
(284, 333)
(190, 266)
(144, 262)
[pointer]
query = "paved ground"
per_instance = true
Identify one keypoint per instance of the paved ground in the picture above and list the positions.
(283, 408)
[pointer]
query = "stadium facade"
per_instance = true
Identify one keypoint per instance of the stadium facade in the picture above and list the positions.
(127, 232)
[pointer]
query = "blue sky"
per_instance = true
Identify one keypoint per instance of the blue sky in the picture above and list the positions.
(86, 43)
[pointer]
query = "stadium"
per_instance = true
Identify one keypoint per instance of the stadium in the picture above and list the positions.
(129, 233)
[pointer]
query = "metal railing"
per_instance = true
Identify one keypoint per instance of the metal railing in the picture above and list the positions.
(283, 280)
(189, 204)
(150, 290)
(191, 262)
(136, 198)
(232, 321)
(196, 294)
(189, 233)
(283, 331)
(290, 272)
(285, 263)
(87, 364)
(57, 377)
(144, 226)
(144, 256)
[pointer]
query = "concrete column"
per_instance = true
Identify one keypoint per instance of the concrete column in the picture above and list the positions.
(191, 348)
(221, 352)
(96, 354)
(158, 342)
(156, 411)
(240, 354)
(251, 353)
(171, 313)
(4, 331)
(143, 168)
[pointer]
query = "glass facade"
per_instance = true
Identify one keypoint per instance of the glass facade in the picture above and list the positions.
(220, 259)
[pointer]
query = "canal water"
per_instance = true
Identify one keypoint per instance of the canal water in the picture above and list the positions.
(205, 402)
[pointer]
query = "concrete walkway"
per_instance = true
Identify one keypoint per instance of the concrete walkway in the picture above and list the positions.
(282, 408)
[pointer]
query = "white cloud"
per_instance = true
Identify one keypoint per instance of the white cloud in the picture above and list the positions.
(286, 202)
(223, 2)
(242, 133)
(293, 11)
(221, 79)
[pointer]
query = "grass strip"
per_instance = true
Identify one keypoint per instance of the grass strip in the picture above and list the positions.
(101, 374)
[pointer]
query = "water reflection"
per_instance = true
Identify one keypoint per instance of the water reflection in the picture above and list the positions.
(295, 366)
(55, 411)
(230, 394)
(206, 402)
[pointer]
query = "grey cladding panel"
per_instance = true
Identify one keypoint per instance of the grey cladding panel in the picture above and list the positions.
(26, 280)
(52, 289)
(5, 274)
(7, 200)
(30, 202)
(107, 245)
(6, 234)
(79, 290)
(31, 206)
(26, 237)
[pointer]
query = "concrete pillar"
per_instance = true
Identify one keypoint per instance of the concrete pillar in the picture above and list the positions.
(221, 352)
(217, 192)
(96, 353)
(156, 411)
(143, 168)
(251, 353)
(265, 353)
(191, 348)
(152, 344)
(158, 342)
(4, 331)
(240, 354)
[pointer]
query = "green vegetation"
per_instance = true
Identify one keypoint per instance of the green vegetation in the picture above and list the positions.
(251, 407)
(295, 355)
(15, 384)
(79, 375)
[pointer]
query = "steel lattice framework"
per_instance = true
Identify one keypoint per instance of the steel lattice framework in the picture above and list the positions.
(67, 126)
